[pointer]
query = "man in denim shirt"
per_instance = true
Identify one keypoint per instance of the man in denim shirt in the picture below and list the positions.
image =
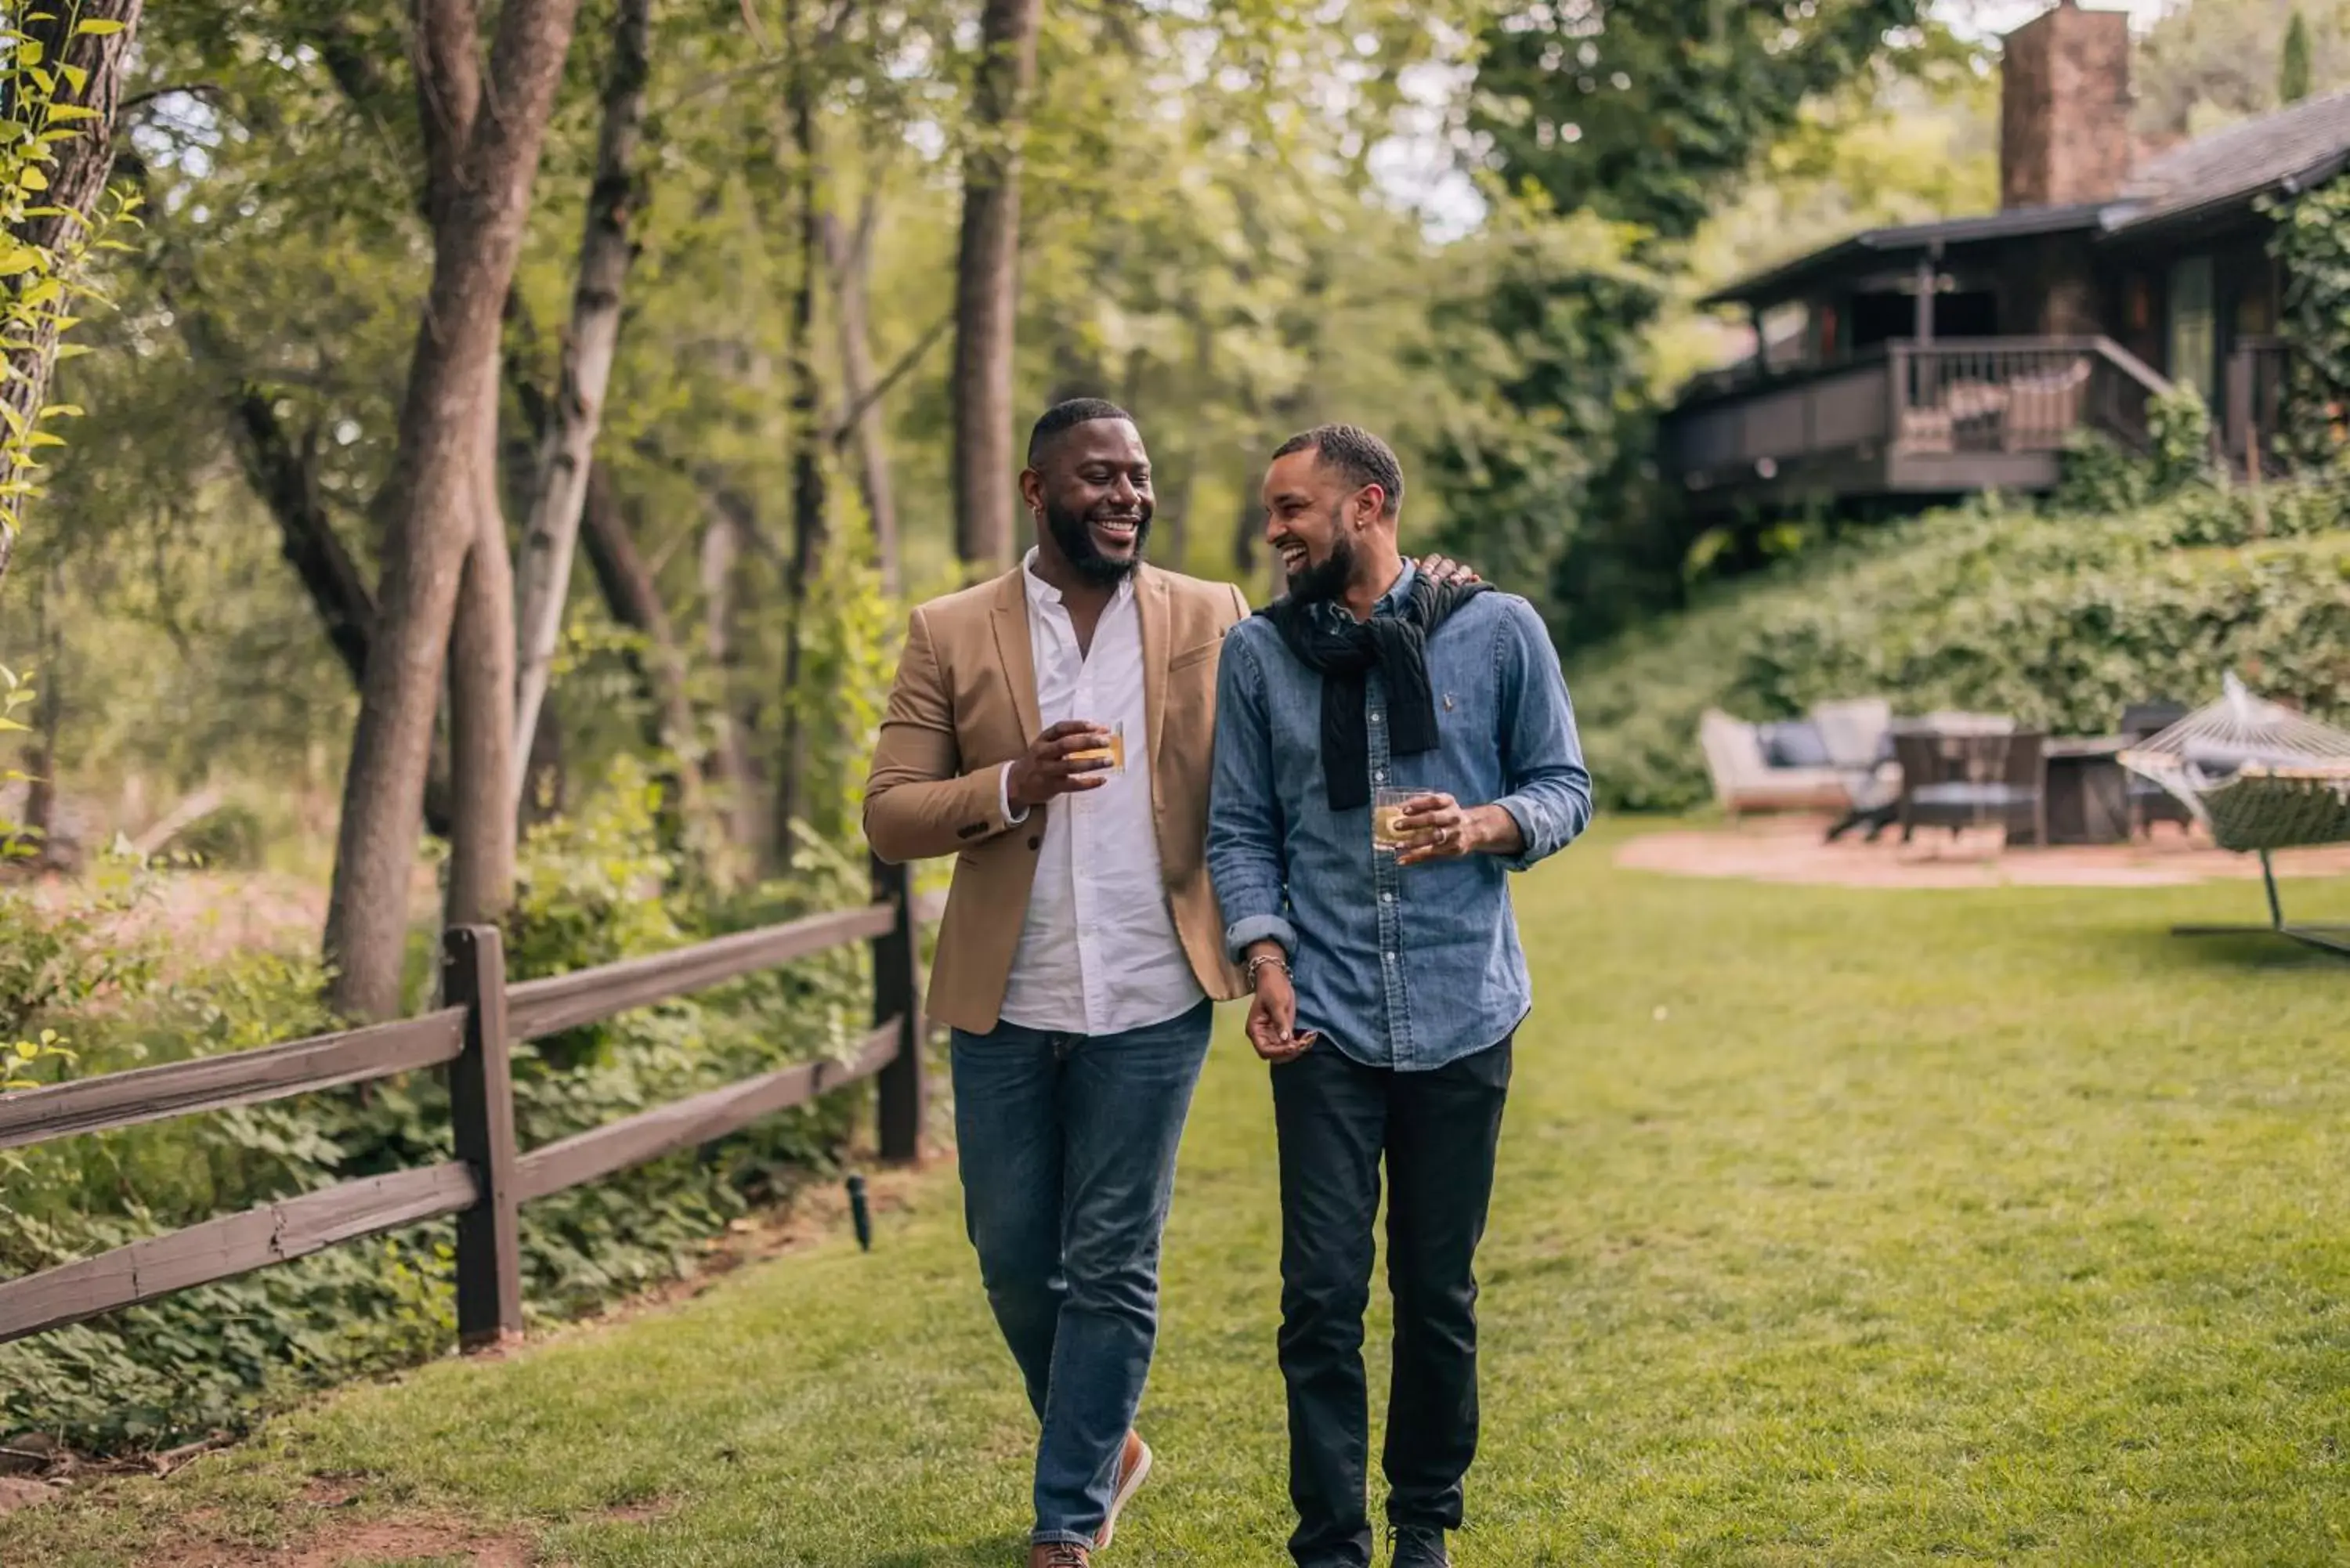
(1392, 1036)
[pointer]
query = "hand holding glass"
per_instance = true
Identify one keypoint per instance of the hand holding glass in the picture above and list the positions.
(1113, 748)
(1388, 836)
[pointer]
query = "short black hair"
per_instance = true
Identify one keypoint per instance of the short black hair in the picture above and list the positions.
(1359, 455)
(1066, 416)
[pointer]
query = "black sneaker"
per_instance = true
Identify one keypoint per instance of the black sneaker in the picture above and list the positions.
(1417, 1546)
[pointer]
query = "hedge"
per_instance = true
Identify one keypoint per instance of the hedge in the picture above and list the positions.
(2059, 620)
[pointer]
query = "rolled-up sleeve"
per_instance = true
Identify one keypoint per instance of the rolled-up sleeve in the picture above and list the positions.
(1549, 788)
(1245, 858)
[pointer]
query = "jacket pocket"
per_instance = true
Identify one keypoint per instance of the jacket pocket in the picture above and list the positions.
(1191, 655)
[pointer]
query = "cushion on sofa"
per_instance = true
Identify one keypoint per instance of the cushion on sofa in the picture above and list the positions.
(1796, 744)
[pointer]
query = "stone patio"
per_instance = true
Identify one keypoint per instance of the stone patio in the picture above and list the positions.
(1790, 849)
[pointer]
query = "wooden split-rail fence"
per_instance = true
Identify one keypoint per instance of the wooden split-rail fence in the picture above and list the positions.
(486, 1184)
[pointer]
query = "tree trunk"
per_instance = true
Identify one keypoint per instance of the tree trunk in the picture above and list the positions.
(484, 170)
(850, 261)
(284, 476)
(482, 736)
(84, 161)
(634, 601)
(551, 528)
(987, 285)
(49, 715)
(282, 470)
(809, 524)
(722, 540)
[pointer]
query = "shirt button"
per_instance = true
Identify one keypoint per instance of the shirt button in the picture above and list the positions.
(1375, 718)
(1379, 776)
(1387, 898)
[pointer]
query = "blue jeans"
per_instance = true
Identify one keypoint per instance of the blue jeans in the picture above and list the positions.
(1068, 1148)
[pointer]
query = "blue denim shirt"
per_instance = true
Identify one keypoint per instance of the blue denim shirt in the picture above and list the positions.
(1400, 966)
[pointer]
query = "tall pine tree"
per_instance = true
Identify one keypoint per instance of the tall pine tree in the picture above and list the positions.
(2293, 68)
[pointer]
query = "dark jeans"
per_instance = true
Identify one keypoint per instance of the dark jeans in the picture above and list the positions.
(1438, 1130)
(1067, 1149)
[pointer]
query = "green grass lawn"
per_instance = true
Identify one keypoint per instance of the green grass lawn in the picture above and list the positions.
(1833, 1227)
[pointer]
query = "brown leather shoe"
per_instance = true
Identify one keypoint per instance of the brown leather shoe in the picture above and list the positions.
(1133, 1469)
(1059, 1554)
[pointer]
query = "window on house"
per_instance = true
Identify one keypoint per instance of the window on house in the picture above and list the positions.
(2193, 345)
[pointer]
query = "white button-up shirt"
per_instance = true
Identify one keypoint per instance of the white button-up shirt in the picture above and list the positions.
(1098, 953)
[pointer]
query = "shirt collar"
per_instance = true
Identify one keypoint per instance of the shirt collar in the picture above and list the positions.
(1041, 592)
(1393, 602)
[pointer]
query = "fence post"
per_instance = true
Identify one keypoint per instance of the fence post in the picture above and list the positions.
(480, 1106)
(897, 993)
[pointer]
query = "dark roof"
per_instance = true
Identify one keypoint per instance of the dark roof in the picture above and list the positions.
(2292, 149)
(1909, 239)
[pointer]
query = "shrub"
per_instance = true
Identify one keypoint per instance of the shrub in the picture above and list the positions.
(230, 838)
(2058, 619)
(591, 891)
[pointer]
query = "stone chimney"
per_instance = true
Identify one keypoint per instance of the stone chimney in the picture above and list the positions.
(2064, 109)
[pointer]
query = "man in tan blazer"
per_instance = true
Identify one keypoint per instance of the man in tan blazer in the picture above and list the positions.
(1051, 730)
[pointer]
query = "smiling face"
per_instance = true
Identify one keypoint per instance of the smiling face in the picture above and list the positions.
(1090, 491)
(1312, 518)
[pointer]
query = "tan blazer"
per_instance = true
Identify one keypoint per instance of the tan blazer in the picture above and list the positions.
(964, 703)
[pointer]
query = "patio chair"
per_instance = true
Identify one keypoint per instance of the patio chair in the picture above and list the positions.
(1747, 779)
(1977, 410)
(1962, 781)
(2044, 408)
(1859, 733)
(2149, 803)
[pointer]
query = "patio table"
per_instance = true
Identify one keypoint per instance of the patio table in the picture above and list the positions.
(2086, 790)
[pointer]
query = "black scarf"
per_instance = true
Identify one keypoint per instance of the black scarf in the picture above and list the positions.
(1344, 650)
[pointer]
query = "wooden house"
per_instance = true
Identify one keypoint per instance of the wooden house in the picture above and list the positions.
(1942, 359)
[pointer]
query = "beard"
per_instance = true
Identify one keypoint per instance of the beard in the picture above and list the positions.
(1072, 531)
(1328, 577)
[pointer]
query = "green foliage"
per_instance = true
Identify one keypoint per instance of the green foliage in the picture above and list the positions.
(2312, 245)
(2178, 436)
(58, 964)
(231, 838)
(1640, 124)
(2100, 475)
(2211, 64)
(1527, 340)
(1640, 113)
(19, 1056)
(848, 654)
(592, 891)
(2059, 620)
(16, 694)
(2293, 66)
(46, 285)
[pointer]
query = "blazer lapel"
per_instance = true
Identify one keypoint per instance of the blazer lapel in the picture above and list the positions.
(1150, 608)
(1012, 647)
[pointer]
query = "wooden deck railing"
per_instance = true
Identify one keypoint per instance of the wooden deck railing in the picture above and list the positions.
(1994, 397)
(489, 1180)
(2017, 394)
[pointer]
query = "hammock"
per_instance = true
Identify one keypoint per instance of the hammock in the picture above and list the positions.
(2261, 778)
